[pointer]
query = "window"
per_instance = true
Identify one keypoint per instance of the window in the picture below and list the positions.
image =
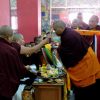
(67, 10)
(14, 23)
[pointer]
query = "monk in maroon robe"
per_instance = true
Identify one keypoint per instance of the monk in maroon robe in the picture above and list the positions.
(80, 62)
(11, 68)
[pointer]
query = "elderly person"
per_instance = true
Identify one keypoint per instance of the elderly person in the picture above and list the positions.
(18, 43)
(19, 39)
(93, 25)
(93, 22)
(11, 68)
(75, 24)
(78, 23)
(79, 61)
(33, 58)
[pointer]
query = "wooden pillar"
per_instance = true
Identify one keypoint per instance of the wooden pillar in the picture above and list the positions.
(4, 12)
(29, 18)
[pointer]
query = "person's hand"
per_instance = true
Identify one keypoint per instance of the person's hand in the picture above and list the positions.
(49, 36)
(46, 41)
(27, 67)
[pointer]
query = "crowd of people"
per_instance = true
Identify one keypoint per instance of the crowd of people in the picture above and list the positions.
(74, 50)
(78, 23)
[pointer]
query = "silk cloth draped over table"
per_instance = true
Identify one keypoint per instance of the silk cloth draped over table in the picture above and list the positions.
(88, 32)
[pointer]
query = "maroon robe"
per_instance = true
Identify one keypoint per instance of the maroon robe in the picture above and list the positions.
(73, 47)
(11, 69)
(91, 39)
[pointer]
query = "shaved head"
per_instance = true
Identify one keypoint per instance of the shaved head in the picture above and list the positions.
(59, 26)
(17, 37)
(6, 31)
(93, 22)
